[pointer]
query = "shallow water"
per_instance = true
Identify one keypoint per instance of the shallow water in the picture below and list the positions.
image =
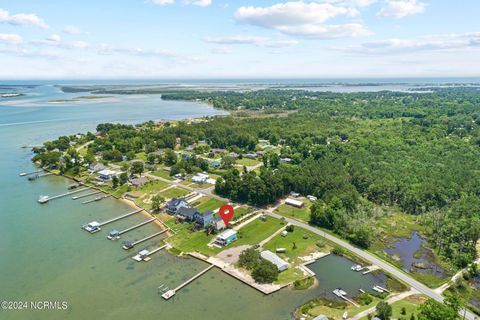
(405, 249)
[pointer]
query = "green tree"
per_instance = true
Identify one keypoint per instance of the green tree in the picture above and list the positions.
(157, 201)
(434, 310)
(137, 167)
(265, 272)
(384, 310)
(115, 182)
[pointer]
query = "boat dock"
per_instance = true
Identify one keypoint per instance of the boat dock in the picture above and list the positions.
(144, 255)
(342, 294)
(114, 235)
(45, 199)
(170, 293)
(24, 174)
(101, 224)
(96, 199)
(86, 195)
(129, 244)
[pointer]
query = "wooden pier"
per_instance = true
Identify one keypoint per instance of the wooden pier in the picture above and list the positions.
(129, 245)
(170, 293)
(117, 235)
(24, 174)
(144, 255)
(96, 199)
(46, 199)
(101, 224)
(86, 195)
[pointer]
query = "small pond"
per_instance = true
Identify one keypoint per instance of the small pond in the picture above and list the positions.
(415, 256)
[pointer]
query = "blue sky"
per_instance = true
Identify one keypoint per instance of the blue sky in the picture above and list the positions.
(174, 39)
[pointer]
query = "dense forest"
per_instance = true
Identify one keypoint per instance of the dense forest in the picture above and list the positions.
(417, 151)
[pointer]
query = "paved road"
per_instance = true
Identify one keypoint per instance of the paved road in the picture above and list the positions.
(421, 288)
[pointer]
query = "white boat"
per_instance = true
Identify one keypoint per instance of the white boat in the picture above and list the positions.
(339, 292)
(376, 288)
(356, 268)
(42, 199)
(141, 256)
(92, 227)
(10, 95)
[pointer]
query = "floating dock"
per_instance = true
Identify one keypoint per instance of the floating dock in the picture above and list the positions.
(129, 244)
(342, 294)
(45, 199)
(95, 226)
(144, 255)
(116, 235)
(170, 293)
(86, 195)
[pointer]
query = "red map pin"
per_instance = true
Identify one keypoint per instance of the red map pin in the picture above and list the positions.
(226, 213)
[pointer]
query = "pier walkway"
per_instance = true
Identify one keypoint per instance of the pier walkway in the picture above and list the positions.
(101, 224)
(128, 244)
(63, 195)
(136, 226)
(86, 195)
(170, 293)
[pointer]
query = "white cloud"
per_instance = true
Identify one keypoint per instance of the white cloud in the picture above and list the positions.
(253, 40)
(54, 38)
(441, 42)
(163, 2)
(22, 19)
(221, 50)
(306, 19)
(10, 38)
(200, 3)
(291, 13)
(401, 8)
(72, 30)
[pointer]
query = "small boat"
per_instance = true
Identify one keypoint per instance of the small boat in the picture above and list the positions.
(339, 292)
(42, 199)
(356, 268)
(73, 186)
(376, 288)
(92, 227)
(34, 177)
(361, 290)
(142, 256)
(113, 235)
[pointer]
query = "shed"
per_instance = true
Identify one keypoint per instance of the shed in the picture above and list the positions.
(295, 203)
(276, 260)
(226, 237)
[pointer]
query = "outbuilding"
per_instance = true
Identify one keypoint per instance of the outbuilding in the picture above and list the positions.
(276, 260)
(294, 203)
(226, 237)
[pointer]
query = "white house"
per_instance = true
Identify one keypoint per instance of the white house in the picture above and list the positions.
(200, 178)
(106, 174)
(276, 260)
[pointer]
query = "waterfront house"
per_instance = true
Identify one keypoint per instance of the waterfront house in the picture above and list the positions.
(251, 156)
(107, 174)
(285, 160)
(218, 150)
(261, 153)
(226, 237)
(294, 203)
(217, 224)
(276, 260)
(204, 219)
(95, 167)
(187, 214)
(175, 204)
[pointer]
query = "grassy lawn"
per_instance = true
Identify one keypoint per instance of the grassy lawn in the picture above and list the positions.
(334, 310)
(163, 174)
(141, 156)
(187, 241)
(120, 191)
(201, 186)
(411, 305)
(247, 162)
(289, 275)
(210, 204)
(302, 214)
(174, 193)
(258, 230)
(240, 212)
(152, 186)
(305, 243)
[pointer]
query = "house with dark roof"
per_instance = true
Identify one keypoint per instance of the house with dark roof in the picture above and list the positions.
(175, 204)
(204, 219)
(187, 214)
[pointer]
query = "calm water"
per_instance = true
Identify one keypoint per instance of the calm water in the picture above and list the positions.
(44, 255)
(405, 249)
